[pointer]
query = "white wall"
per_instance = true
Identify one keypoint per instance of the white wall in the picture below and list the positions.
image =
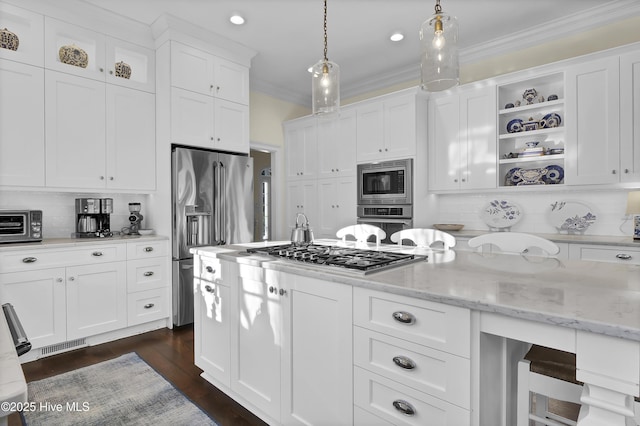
(608, 205)
(59, 211)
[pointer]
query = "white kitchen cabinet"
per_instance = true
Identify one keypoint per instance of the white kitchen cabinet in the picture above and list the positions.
(212, 319)
(147, 282)
(130, 139)
(336, 151)
(96, 299)
(75, 131)
(198, 71)
(593, 126)
(316, 352)
(462, 140)
(336, 206)
(29, 27)
(386, 128)
(191, 118)
(231, 126)
(602, 253)
(140, 59)
(38, 297)
(22, 144)
(98, 135)
(302, 197)
(629, 117)
(301, 148)
(256, 336)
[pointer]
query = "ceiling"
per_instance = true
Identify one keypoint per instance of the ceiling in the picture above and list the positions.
(288, 34)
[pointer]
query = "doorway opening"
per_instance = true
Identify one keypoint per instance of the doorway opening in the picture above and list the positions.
(262, 195)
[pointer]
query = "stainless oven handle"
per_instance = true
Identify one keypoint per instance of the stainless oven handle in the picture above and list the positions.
(375, 220)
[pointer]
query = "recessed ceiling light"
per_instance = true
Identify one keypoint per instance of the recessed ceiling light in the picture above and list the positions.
(396, 36)
(236, 19)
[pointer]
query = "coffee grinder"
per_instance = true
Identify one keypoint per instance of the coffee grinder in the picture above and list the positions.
(93, 217)
(135, 218)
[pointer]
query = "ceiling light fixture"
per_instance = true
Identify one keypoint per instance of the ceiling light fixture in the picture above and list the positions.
(236, 19)
(325, 81)
(396, 37)
(439, 61)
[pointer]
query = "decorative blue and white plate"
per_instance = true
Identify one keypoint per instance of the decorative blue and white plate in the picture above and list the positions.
(501, 214)
(572, 217)
(514, 126)
(555, 174)
(550, 120)
(511, 179)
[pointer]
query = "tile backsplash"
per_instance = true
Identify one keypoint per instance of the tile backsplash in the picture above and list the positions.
(536, 207)
(58, 209)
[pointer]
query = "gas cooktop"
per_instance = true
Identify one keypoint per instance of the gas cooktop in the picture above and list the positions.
(350, 258)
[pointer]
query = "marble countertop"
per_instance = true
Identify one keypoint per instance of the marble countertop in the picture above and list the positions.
(607, 240)
(49, 243)
(13, 386)
(593, 296)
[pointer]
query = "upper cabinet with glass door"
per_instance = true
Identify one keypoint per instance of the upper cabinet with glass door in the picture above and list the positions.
(22, 31)
(531, 133)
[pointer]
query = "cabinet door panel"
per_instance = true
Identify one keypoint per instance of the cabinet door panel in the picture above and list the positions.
(370, 132)
(232, 81)
(444, 143)
(479, 156)
(75, 131)
(96, 299)
(22, 128)
(211, 330)
(131, 142)
(191, 69)
(630, 117)
(191, 118)
(593, 129)
(38, 298)
(400, 127)
(301, 144)
(231, 126)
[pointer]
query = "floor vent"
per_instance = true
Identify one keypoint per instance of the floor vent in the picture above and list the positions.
(61, 347)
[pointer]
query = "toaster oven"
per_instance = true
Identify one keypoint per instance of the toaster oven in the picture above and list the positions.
(20, 226)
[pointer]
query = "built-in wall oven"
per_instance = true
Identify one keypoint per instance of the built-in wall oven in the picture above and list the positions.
(385, 195)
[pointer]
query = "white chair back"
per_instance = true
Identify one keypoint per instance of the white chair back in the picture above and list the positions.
(424, 237)
(362, 232)
(515, 242)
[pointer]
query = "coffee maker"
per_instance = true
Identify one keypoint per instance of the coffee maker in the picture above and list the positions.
(135, 218)
(93, 217)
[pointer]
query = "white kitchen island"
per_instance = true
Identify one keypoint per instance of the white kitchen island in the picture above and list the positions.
(489, 308)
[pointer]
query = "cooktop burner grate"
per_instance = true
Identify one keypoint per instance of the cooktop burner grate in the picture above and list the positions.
(345, 257)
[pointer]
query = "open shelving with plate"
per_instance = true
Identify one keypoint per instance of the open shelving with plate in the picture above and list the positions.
(531, 135)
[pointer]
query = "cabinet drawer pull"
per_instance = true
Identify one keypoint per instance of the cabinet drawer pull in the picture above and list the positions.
(404, 362)
(404, 317)
(29, 259)
(404, 407)
(149, 306)
(148, 249)
(210, 269)
(148, 273)
(623, 256)
(96, 253)
(209, 289)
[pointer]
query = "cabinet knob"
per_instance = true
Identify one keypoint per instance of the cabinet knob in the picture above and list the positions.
(218, 139)
(464, 180)
(29, 259)
(613, 172)
(337, 206)
(272, 289)
(209, 289)
(148, 273)
(626, 170)
(148, 249)
(110, 177)
(404, 317)
(404, 362)
(337, 170)
(380, 150)
(96, 253)
(149, 306)
(72, 278)
(58, 280)
(211, 137)
(101, 69)
(282, 292)
(623, 256)
(385, 150)
(404, 407)
(217, 88)
(210, 269)
(111, 72)
(101, 177)
(332, 170)
(455, 180)
(211, 86)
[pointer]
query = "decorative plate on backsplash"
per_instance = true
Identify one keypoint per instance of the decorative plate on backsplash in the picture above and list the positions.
(572, 217)
(501, 214)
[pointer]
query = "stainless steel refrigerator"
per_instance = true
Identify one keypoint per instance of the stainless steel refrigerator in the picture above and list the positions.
(212, 205)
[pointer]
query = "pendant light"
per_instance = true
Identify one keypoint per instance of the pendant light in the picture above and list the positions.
(439, 62)
(325, 81)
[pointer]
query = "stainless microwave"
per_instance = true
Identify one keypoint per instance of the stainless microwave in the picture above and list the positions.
(20, 226)
(388, 182)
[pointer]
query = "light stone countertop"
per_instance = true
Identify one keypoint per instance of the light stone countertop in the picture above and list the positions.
(13, 386)
(606, 240)
(598, 297)
(54, 243)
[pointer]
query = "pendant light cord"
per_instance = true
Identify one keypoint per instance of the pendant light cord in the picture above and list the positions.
(438, 8)
(325, 31)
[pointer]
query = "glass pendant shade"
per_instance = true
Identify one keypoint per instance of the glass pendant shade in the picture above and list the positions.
(439, 63)
(325, 87)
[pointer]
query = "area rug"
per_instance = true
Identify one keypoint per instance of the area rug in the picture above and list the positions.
(121, 391)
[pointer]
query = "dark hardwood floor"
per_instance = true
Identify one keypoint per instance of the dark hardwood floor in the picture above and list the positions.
(170, 352)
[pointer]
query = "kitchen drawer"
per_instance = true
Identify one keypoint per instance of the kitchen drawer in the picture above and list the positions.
(146, 274)
(29, 260)
(145, 306)
(378, 395)
(362, 417)
(620, 254)
(438, 326)
(145, 249)
(434, 372)
(210, 269)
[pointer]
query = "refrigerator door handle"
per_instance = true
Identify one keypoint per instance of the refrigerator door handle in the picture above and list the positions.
(217, 226)
(223, 204)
